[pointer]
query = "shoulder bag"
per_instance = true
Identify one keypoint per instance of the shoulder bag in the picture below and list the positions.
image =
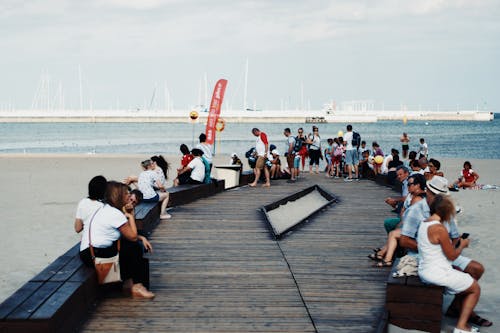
(107, 269)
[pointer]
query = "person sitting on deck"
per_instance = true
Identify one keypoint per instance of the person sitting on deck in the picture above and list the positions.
(385, 254)
(186, 158)
(205, 148)
(195, 169)
(402, 174)
(415, 168)
(275, 172)
(112, 222)
(147, 182)
(161, 167)
(88, 206)
(468, 178)
(434, 166)
(436, 254)
(420, 212)
(235, 160)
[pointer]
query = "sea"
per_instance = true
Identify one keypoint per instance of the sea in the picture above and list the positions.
(461, 139)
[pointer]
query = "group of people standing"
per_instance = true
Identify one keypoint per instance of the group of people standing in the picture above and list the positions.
(341, 154)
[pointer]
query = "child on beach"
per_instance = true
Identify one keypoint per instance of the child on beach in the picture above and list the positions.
(423, 149)
(468, 178)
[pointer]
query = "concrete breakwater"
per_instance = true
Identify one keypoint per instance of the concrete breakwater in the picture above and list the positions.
(279, 116)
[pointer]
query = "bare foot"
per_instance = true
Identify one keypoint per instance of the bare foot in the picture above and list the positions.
(252, 184)
(266, 185)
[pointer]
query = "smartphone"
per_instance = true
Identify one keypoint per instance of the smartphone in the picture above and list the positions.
(465, 235)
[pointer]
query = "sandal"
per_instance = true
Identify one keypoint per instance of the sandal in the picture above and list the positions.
(375, 256)
(377, 249)
(383, 263)
(480, 321)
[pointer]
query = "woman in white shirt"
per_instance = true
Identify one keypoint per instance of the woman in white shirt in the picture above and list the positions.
(115, 220)
(147, 182)
(436, 255)
(88, 206)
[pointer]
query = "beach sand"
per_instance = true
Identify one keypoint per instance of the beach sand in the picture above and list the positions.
(40, 194)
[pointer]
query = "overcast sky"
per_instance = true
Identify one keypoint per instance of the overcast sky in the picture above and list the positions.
(424, 53)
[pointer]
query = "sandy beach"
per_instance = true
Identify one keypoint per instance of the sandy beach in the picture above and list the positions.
(41, 193)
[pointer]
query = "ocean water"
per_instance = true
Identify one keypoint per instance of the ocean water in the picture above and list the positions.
(464, 139)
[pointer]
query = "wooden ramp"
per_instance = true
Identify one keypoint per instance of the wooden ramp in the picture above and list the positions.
(216, 267)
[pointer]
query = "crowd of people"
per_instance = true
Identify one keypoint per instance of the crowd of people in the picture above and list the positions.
(423, 227)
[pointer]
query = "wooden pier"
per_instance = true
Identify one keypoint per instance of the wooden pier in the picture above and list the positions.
(217, 268)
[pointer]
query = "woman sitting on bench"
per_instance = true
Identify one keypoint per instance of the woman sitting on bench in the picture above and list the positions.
(114, 221)
(436, 254)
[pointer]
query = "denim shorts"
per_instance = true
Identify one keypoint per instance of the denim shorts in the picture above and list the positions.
(461, 262)
(156, 198)
(351, 157)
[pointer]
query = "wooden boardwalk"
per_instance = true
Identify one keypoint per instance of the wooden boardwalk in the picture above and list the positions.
(216, 267)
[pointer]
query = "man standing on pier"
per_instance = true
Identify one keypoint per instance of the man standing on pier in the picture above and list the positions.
(262, 148)
(290, 152)
(351, 152)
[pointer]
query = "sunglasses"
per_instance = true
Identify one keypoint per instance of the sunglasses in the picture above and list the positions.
(411, 184)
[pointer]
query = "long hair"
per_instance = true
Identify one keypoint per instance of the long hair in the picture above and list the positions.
(162, 163)
(115, 194)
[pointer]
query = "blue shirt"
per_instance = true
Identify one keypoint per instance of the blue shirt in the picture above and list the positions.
(419, 212)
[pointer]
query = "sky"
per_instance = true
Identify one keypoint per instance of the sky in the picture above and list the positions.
(131, 54)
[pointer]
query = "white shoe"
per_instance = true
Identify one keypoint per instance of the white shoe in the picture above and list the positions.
(473, 329)
(165, 216)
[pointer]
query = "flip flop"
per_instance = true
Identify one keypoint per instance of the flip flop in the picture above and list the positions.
(383, 263)
(480, 321)
(374, 256)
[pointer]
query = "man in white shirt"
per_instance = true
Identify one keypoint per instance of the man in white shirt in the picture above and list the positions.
(262, 149)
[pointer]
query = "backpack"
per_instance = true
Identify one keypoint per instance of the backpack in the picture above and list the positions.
(298, 144)
(208, 178)
(338, 151)
(356, 139)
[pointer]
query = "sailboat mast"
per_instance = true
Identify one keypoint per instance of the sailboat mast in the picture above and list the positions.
(246, 87)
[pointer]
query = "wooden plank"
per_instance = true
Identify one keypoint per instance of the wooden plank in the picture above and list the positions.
(31, 304)
(16, 299)
(215, 267)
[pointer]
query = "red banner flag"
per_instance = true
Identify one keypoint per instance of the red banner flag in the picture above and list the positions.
(215, 105)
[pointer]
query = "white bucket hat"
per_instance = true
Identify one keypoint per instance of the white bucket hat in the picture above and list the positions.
(438, 185)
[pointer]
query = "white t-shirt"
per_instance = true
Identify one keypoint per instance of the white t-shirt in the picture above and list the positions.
(104, 227)
(145, 183)
(161, 176)
(384, 169)
(290, 140)
(197, 169)
(207, 151)
(348, 139)
(84, 211)
(316, 143)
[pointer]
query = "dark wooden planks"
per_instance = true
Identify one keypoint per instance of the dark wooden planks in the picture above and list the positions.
(216, 267)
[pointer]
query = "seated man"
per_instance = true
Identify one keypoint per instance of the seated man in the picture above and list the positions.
(434, 166)
(421, 211)
(402, 174)
(196, 167)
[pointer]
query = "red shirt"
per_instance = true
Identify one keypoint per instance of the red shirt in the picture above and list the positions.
(186, 159)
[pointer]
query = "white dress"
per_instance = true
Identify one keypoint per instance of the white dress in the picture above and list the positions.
(435, 268)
